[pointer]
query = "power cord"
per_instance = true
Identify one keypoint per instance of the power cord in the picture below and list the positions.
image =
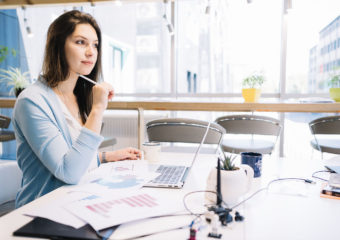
(268, 185)
(313, 175)
(190, 193)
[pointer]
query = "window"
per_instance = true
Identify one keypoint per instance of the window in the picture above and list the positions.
(136, 44)
(315, 28)
(226, 44)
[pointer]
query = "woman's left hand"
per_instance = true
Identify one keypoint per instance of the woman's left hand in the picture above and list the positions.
(123, 154)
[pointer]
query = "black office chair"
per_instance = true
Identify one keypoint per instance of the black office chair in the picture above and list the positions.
(183, 130)
(108, 141)
(5, 135)
(325, 126)
(250, 127)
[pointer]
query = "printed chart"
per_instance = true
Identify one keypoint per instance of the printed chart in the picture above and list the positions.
(111, 210)
(141, 200)
(116, 183)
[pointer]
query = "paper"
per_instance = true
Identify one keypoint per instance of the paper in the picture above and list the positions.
(116, 183)
(117, 177)
(109, 211)
(55, 211)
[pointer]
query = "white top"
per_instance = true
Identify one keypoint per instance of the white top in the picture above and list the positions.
(74, 128)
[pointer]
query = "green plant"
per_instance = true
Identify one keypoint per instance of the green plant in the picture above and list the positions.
(334, 78)
(334, 81)
(4, 51)
(14, 77)
(227, 162)
(253, 81)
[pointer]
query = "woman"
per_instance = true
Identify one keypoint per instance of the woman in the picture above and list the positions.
(57, 120)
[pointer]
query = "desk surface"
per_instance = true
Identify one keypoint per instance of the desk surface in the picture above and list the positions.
(288, 210)
(211, 106)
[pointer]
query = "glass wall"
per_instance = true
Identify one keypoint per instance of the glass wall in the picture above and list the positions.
(313, 45)
(219, 43)
(136, 43)
(216, 45)
(205, 48)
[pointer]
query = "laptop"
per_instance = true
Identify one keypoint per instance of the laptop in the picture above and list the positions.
(333, 169)
(174, 176)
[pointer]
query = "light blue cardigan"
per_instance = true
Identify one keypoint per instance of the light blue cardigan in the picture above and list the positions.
(45, 153)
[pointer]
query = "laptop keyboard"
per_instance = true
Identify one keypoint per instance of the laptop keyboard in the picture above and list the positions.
(169, 174)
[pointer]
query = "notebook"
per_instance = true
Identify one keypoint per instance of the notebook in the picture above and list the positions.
(174, 176)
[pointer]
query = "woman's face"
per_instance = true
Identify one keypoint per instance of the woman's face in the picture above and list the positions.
(81, 49)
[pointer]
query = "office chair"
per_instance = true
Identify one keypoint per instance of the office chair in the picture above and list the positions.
(325, 126)
(252, 125)
(108, 141)
(10, 181)
(183, 130)
(5, 135)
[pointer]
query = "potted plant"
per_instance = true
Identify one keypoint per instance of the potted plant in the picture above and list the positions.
(4, 51)
(15, 78)
(235, 180)
(227, 162)
(334, 90)
(251, 91)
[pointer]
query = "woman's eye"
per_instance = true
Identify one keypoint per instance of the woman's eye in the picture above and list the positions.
(80, 42)
(96, 45)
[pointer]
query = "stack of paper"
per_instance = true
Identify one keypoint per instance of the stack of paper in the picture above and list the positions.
(110, 196)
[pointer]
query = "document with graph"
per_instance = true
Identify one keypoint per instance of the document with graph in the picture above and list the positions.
(113, 178)
(104, 212)
(116, 183)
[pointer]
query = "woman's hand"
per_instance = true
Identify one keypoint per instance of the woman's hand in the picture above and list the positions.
(123, 154)
(101, 94)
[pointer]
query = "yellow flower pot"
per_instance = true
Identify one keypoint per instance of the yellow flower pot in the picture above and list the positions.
(334, 93)
(251, 94)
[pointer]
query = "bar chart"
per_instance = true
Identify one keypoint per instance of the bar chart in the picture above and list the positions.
(136, 201)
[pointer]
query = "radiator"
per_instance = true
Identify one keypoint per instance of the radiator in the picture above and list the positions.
(123, 125)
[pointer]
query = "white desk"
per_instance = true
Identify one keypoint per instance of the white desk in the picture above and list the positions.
(289, 210)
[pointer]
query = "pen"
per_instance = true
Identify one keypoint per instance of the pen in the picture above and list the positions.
(88, 79)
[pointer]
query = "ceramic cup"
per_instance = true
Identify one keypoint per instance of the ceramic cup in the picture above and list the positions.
(254, 160)
(151, 151)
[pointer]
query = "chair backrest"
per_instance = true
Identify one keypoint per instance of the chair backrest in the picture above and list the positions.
(325, 125)
(183, 130)
(250, 124)
(4, 121)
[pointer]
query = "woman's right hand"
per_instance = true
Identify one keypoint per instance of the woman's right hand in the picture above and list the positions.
(101, 94)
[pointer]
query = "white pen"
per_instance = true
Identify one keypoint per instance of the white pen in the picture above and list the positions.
(88, 79)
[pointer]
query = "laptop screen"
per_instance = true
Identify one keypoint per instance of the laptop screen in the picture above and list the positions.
(201, 144)
(335, 169)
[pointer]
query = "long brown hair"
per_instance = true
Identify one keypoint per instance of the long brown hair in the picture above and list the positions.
(55, 68)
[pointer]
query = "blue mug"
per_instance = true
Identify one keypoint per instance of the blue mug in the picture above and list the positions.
(254, 160)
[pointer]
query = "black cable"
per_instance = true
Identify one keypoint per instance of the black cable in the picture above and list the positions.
(260, 190)
(265, 188)
(199, 191)
(313, 175)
